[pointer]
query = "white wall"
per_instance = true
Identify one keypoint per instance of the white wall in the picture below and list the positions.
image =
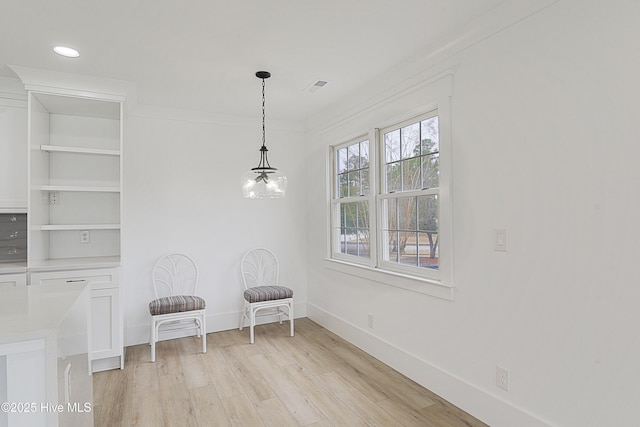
(545, 125)
(182, 193)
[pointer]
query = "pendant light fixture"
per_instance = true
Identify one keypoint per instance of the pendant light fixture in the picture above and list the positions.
(263, 181)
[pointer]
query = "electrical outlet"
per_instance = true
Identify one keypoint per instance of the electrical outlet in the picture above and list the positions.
(370, 320)
(502, 378)
(85, 236)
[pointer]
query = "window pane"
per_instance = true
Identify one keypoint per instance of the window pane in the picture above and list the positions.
(392, 214)
(351, 241)
(408, 248)
(392, 146)
(430, 135)
(407, 213)
(354, 183)
(428, 213)
(353, 161)
(430, 171)
(428, 250)
(364, 179)
(363, 215)
(364, 154)
(410, 141)
(354, 222)
(411, 175)
(341, 160)
(394, 178)
(391, 253)
(343, 185)
(363, 243)
(348, 214)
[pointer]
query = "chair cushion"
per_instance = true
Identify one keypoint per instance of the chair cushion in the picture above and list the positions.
(267, 293)
(176, 304)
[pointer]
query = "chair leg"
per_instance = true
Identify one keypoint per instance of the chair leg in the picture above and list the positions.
(291, 317)
(252, 323)
(204, 334)
(153, 340)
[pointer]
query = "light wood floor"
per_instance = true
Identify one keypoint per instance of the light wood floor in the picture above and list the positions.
(313, 379)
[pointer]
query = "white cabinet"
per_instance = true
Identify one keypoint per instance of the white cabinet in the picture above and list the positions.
(13, 280)
(13, 146)
(74, 178)
(107, 349)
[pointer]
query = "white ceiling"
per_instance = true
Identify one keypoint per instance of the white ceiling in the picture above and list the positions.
(202, 55)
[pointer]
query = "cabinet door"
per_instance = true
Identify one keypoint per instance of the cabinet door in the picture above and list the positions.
(12, 280)
(105, 323)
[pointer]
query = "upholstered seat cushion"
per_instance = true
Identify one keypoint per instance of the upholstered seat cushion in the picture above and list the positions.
(176, 304)
(267, 293)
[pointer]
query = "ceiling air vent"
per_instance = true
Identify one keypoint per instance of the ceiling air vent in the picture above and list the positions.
(318, 84)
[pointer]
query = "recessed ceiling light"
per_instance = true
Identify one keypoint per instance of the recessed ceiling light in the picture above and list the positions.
(66, 51)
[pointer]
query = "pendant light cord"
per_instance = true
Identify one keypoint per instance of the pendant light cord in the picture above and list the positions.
(263, 116)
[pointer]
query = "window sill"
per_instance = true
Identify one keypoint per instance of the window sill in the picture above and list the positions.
(414, 284)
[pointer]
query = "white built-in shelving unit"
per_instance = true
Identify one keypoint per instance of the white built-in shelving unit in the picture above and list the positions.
(74, 201)
(75, 179)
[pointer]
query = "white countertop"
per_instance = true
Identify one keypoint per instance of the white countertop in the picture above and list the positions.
(74, 263)
(13, 267)
(28, 312)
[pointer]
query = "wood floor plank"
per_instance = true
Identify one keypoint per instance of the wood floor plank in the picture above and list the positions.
(208, 407)
(254, 385)
(177, 408)
(292, 397)
(146, 406)
(367, 410)
(194, 370)
(335, 409)
(221, 374)
(118, 391)
(241, 412)
(273, 414)
(447, 415)
(313, 379)
(323, 423)
(405, 415)
(167, 358)
(272, 345)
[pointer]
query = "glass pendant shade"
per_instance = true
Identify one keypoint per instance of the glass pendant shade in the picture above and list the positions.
(263, 181)
(264, 184)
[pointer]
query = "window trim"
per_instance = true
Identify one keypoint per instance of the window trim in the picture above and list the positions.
(440, 94)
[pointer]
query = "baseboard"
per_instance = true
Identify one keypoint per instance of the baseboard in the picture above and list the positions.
(109, 363)
(139, 334)
(480, 403)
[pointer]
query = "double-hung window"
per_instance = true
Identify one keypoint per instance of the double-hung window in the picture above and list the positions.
(351, 221)
(386, 199)
(408, 198)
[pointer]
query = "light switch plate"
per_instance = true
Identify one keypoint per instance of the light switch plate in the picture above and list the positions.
(500, 242)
